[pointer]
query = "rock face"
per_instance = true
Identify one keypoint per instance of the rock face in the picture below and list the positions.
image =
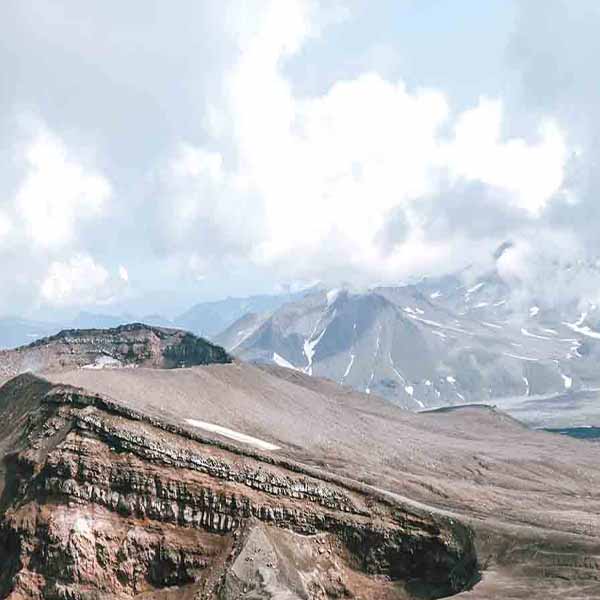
(102, 501)
(231, 481)
(127, 345)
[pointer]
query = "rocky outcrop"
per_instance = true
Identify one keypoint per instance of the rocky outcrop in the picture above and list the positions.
(130, 345)
(98, 501)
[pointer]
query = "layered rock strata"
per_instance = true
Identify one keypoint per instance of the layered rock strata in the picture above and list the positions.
(98, 501)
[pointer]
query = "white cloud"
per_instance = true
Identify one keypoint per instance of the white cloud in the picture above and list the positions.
(326, 171)
(551, 268)
(532, 173)
(77, 281)
(5, 225)
(57, 191)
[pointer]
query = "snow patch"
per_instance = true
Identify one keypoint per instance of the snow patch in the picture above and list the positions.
(435, 295)
(440, 334)
(332, 296)
(587, 331)
(398, 374)
(103, 362)
(232, 434)
(309, 350)
(475, 288)
(519, 357)
(533, 335)
(534, 311)
(574, 351)
(349, 367)
(568, 381)
(82, 526)
(409, 389)
(436, 324)
(282, 362)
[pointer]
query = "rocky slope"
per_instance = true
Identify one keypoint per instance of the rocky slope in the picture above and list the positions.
(232, 481)
(130, 345)
(100, 500)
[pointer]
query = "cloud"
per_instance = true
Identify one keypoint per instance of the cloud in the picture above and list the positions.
(80, 281)
(195, 152)
(325, 172)
(550, 269)
(529, 172)
(5, 226)
(57, 192)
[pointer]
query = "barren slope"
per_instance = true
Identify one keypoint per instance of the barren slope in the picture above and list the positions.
(532, 498)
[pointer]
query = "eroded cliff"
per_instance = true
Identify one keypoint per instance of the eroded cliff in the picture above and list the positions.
(129, 345)
(101, 501)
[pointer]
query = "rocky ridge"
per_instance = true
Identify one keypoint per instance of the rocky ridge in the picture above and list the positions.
(156, 482)
(100, 502)
(129, 345)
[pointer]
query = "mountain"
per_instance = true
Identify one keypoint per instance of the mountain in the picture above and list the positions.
(15, 331)
(434, 343)
(211, 318)
(130, 345)
(144, 479)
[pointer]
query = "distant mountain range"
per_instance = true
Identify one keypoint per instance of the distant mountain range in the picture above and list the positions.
(437, 342)
(448, 340)
(211, 318)
(206, 319)
(15, 331)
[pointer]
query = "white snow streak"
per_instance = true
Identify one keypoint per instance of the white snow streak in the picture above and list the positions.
(332, 296)
(475, 288)
(519, 357)
(282, 362)
(234, 435)
(436, 324)
(533, 335)
(587, 331)
(349, 367)
(309, 350)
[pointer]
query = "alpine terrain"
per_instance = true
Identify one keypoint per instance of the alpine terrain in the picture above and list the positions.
(142, 462)
(437, 342)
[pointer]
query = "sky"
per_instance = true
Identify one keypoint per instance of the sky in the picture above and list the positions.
(156, 154)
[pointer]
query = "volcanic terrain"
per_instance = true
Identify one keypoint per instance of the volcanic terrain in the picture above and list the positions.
(145, 463)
